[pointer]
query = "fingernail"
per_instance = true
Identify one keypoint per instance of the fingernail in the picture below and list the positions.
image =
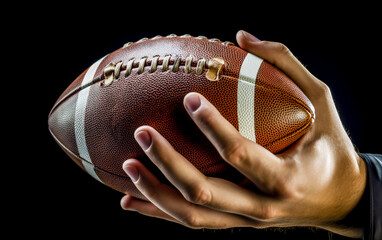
(192, 102)
(131, 171)
(249, 36)
(144, 139)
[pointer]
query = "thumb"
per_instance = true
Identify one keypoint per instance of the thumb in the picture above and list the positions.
(246, 37)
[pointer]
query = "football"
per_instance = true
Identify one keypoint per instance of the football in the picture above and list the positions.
(144, 83)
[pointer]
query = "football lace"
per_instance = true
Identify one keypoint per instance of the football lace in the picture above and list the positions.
(112, 71)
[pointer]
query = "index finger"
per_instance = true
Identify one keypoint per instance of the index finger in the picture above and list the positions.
(280, 56)
(255, 162)
(195, 187)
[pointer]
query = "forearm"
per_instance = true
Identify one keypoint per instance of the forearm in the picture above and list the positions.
(354, 224)
(366, 218)
(373, 222)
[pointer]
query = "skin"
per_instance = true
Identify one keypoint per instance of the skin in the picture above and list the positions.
(317, 182)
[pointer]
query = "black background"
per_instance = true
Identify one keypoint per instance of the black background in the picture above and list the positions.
(52, 45)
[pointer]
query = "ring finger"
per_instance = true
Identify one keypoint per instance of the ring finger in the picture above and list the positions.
(171, 202)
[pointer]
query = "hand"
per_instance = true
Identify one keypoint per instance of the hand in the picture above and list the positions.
(316, 182)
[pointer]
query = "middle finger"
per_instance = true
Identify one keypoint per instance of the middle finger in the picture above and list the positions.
(199, 189)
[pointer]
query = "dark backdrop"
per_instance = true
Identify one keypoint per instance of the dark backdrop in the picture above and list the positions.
(340, 45)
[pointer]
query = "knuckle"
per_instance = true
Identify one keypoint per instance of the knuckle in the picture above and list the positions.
(265, 213)
(191, 220)
(199, 194)
(324, 90)
(235, 153)
(281, 48)
(278, 47)
(286, 189)
(278, 53)
(323, 94)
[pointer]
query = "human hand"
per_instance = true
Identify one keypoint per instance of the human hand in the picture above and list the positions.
(316, 182)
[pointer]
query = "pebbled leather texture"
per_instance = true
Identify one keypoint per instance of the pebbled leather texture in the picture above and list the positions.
(282, 112)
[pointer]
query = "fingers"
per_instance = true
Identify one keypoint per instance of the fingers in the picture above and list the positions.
(255, 162)
(167, 203)
(163, 155)
(145, 208)
(317, 91)
(198, 189)
(279, 55)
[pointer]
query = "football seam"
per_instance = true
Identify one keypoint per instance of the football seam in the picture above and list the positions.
(215, 40)
(101, 78)
(81, 159)
(260, 84)
(296, 132)
(301, 103)
(73, 92)
(267, 86)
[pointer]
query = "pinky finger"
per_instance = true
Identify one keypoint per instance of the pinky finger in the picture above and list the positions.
(145, 208)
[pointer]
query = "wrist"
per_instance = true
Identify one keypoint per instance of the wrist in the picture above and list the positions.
(354, 223)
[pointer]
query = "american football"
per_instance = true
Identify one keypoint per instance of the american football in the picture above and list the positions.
(144, 83)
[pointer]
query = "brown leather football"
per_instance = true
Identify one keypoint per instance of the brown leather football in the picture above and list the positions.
(144, 83)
